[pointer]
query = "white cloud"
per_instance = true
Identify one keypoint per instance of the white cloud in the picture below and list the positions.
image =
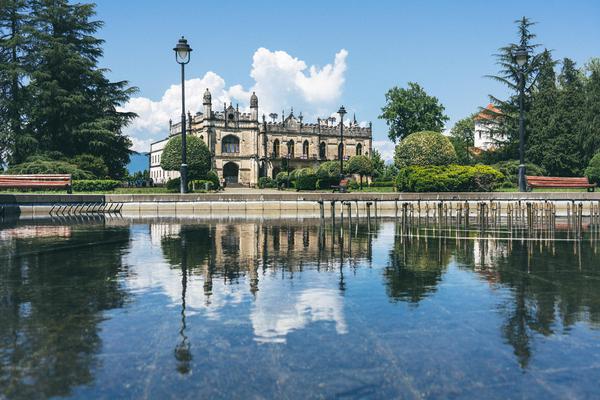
(386, 149)
(281, 82)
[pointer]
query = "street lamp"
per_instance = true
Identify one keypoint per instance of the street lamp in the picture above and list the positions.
(521, 55)
(182, 56)
(342, 112)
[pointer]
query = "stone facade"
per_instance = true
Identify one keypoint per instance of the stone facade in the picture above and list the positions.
(245, 147)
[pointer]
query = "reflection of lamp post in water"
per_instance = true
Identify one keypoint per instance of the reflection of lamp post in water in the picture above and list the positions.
(183, 353)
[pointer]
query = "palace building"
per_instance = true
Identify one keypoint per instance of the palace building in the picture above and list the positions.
(244, 147)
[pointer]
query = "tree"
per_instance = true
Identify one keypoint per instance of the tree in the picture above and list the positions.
(74, 106)
(15, 44)
(360, 165)
(510, 75)
(92, 164)
(411, 110)
(462, 137)
(198, 156)
(378, 163)
(591, 124)
(424, 148)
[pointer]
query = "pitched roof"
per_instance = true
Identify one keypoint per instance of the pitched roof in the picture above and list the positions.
(490, 112)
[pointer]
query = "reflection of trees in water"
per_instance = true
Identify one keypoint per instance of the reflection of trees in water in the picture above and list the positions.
(416, 266)
(52, 296)
(553, 284)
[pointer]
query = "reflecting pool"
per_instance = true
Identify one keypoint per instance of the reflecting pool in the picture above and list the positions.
(182, 308)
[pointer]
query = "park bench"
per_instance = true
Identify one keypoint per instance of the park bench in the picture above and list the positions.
(342, 187)
(45, 181)
(558, 182)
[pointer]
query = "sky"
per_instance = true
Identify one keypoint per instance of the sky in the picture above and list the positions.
(317, 55)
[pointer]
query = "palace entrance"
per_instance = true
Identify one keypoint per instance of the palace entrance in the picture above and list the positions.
(231, 172)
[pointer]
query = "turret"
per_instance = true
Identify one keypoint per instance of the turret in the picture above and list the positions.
(207, 102)
(254, 106)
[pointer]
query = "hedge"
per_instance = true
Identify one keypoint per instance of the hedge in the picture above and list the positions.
(39, 166)
(173, 185)
(95, 185)
(382, 184)
(451, 178)
(327, 182)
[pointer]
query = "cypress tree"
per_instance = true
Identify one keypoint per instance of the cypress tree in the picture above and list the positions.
(590, 140)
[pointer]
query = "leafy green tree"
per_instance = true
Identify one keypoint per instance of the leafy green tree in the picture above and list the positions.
(462, 137)
(510, 75)
(360, 165)
(411, 110)
(593, 169)
(75, 108)
(198, 156)
(424, 148)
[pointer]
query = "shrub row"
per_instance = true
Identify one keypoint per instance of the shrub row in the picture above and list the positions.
(264, 182)
(382, 184)
(95, 185)
(451, 178)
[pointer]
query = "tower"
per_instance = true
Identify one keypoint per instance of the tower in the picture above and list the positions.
(254, 106)
(207, 104)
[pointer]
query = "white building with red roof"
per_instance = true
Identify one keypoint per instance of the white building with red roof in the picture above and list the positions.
(486, 135)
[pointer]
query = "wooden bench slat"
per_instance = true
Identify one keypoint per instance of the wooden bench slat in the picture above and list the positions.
(33, 181)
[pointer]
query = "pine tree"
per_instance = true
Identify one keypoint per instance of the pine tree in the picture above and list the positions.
(509, 75)
(75, 107)
(15, 43)
(590, 140)
(541, 147)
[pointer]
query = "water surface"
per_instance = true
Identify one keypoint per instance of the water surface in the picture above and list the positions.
(164, 308)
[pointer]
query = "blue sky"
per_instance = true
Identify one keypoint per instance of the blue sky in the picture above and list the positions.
(445, 46)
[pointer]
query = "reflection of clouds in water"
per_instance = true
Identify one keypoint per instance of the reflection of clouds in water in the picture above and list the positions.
(273, 316)
(154, 273)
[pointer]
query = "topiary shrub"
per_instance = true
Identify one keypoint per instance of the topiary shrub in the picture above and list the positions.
(95, 185)
(198, 156)
(510, 170)
(306, 179)
(424, 148)
(452, 178)
(173, 185)
(49, 167)
(593, 170)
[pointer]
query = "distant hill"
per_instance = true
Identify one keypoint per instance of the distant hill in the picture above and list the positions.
(137, 162)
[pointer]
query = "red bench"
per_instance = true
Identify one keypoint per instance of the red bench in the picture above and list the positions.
(45, 181)
(560, 183)
(342, 187)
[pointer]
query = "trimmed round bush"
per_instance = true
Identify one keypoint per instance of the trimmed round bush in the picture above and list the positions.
(198, 156)
(593, 170)
(424, 148)
(306, 179)
(451, 178)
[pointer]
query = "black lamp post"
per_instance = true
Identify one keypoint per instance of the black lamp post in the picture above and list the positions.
(342, 112)
(182, 56)
(521, 56)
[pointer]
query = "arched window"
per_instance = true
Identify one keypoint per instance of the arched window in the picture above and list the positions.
(340, 151)
(290, 146)
(305, 149)
(322, 150)
(230, 144)
(276, 148)
(358, 149)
